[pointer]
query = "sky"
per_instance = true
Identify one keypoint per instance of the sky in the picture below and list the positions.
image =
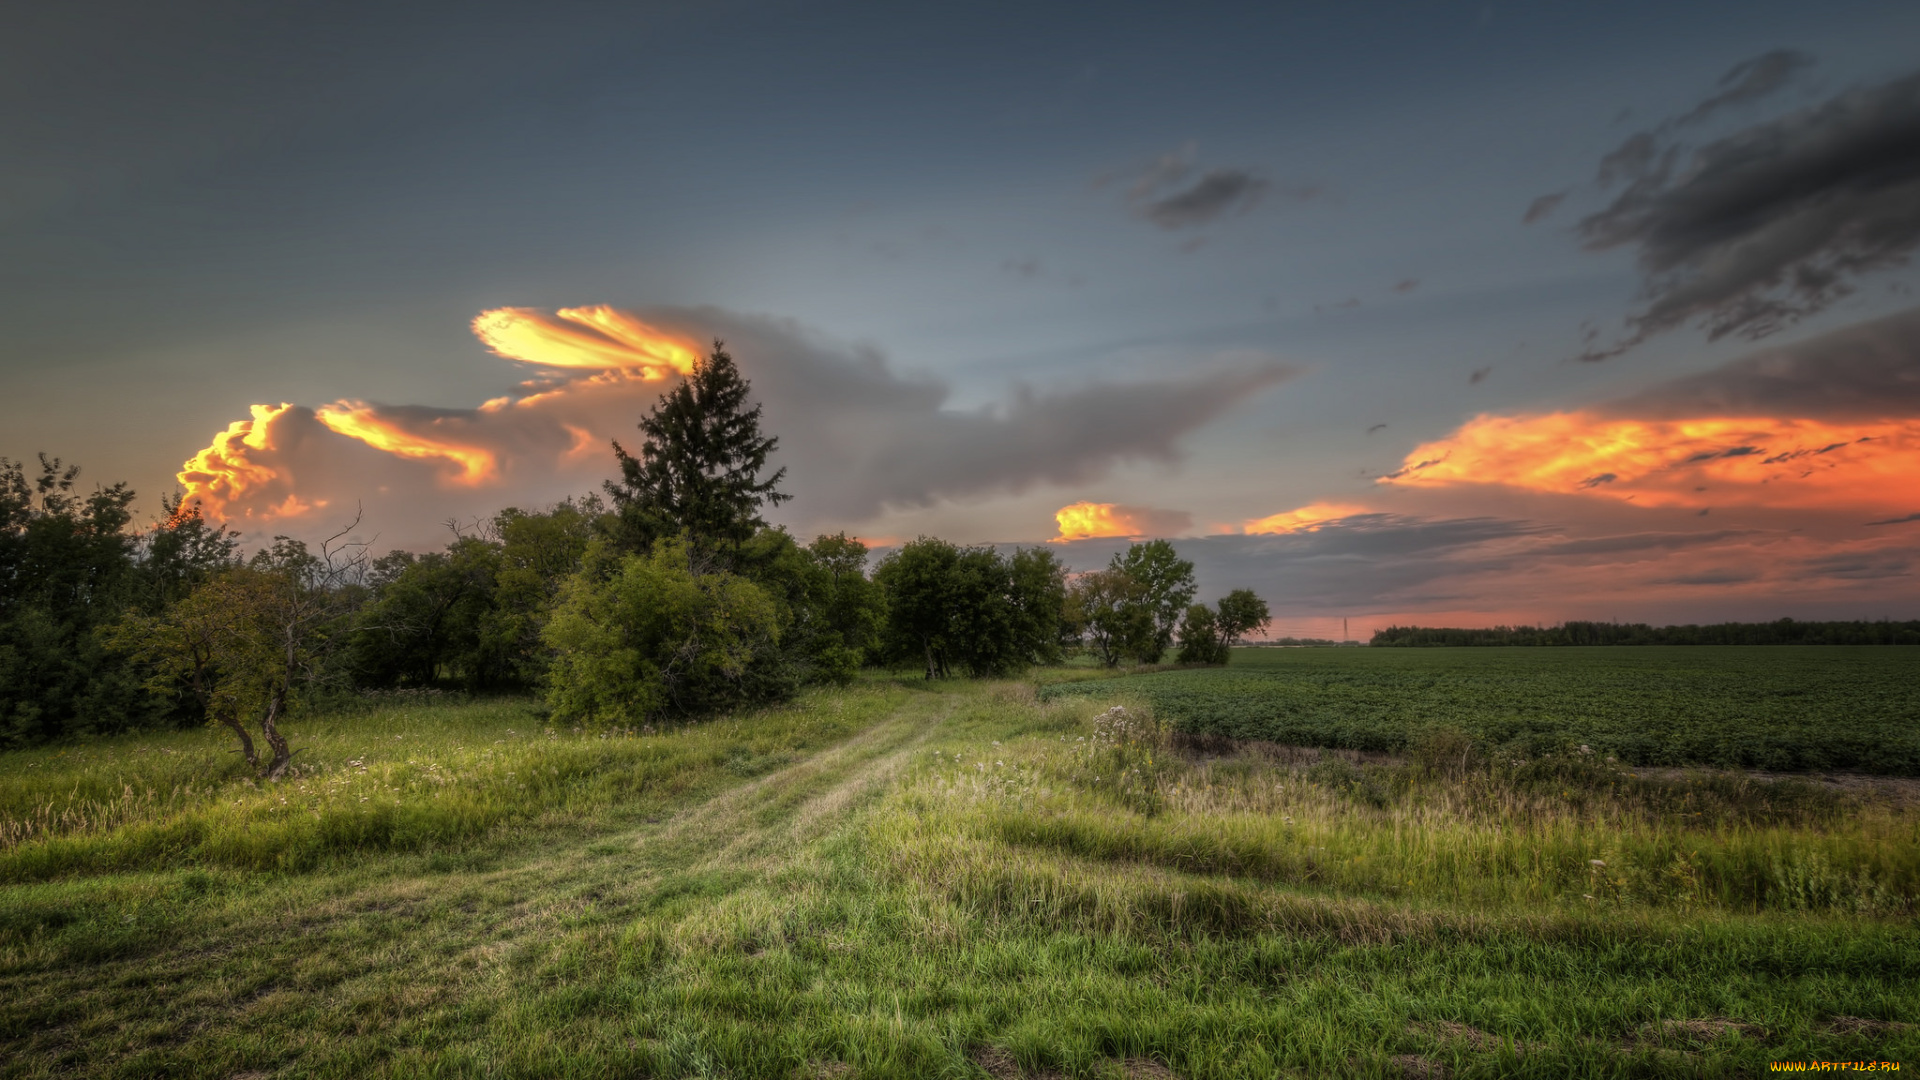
(1433, 313)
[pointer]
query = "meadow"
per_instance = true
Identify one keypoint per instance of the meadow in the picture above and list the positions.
(1784, 708)
(953, 879)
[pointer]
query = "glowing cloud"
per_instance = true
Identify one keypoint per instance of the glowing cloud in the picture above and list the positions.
(1760, 461)
(1305, 519)
(227, 470)
(358, 420)
(598, 337)
(1090, 520)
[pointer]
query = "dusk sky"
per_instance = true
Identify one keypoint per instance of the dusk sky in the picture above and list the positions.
(1441, 313)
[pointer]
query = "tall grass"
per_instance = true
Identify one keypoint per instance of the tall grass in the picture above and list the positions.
(409, 779)
(943, 881)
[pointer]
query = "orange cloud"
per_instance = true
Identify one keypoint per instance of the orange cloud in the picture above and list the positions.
(358, 420)
(1305, 519)
(226, 471)
(586, 337)
(1091, 520)
(1757, 461)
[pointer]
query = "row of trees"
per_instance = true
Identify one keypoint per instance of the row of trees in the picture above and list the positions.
(670, 596)
(1778, 632)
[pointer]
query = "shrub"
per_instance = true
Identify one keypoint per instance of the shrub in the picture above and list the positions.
(654, 637)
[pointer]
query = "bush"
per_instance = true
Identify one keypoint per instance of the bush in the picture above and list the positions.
(652, 637)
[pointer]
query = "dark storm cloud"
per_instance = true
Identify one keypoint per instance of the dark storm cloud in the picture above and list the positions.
(1756, 230)
(1866, 371)
(1215, 193)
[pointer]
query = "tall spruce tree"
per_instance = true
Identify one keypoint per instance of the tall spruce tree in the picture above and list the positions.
(698, 474)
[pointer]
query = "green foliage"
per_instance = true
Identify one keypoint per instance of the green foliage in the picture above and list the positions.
(1784, 707)
(67, 571)
(698, 473)
(1166, 587)
(650, 638)
(824, 606)
(470, 616)
(240, 645)
(1109, 605)
(1201, 638)
(971, 609)
(1241, 613)
(851, 606)
(917, 583)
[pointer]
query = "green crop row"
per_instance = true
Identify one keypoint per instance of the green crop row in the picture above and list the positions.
(1786, 708)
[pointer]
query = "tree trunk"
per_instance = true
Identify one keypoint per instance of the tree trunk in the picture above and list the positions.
(928, 643)
(281, 755)
(246, 742)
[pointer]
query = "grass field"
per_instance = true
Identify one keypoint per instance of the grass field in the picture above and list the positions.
(903, 881)
(1787, 708)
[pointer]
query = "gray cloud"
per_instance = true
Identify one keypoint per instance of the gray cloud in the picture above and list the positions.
(1638, 542)
(858, 437)
(1169, 194)
(1385, 563)
(1859, 566)
(1367, 561)
(1897, 521)
(1756, 230)
(1867, 371)
(1542, 206)
(1750, 80)
(1709, 577)
(1216, 192)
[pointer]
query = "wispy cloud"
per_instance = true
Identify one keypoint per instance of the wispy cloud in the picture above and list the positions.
(1174, 194)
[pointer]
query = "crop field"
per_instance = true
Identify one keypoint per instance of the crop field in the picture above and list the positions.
(1786, 708)
(952, 880)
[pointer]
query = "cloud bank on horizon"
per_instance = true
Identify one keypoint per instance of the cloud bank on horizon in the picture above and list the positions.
(857, 437)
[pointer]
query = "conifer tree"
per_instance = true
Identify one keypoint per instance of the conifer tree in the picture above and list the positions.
(698, 473)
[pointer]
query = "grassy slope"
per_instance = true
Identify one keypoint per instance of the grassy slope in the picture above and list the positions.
(892, 879)
(1774, 707)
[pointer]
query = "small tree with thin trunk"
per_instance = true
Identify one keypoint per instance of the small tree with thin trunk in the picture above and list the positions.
(242, 643)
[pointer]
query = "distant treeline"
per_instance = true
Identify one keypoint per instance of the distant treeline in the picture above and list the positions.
(1780, 632)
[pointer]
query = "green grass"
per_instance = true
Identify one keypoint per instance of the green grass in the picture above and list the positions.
(1787, 708)
(958, 881)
